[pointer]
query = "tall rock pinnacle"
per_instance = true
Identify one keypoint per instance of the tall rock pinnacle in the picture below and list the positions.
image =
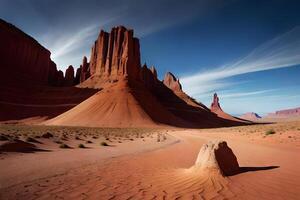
(215, 105)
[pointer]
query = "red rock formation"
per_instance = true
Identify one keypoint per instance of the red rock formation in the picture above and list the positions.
(22, 56)
(215, 105)
(115, 54)
(172, 82)
(287, 113)
(148, 77)
(293, 111)
(85, 70)
(154, 72)
(69, 76)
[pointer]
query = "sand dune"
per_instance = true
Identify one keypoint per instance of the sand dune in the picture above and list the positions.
(119, 105)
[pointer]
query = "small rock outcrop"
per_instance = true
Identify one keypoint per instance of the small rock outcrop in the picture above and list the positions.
(216, 155)
(172, 82)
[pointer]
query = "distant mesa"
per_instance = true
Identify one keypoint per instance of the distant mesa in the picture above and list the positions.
(287, 113)
(112, 88)
(217, 156)
(252, 116)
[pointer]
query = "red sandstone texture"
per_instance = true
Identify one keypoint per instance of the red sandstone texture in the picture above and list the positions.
(27, 78)
(215, 105)
(23, 58)
(172, 82)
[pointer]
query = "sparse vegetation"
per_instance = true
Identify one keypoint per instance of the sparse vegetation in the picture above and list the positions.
(30, 139)
(64, 146)
(81, 146)
(3, 138)
(89, 142)
(270, 132)
(104, 144)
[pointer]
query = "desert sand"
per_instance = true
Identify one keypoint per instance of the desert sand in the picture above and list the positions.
(153, 164)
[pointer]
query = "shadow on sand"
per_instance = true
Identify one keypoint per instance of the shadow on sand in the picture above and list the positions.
(253, 169)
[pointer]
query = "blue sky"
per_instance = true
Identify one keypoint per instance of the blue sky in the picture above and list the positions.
(246, 51)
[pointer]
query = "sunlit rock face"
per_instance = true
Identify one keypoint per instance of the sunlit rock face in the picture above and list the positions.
(172, 82)
(216, 155)
(116, 54)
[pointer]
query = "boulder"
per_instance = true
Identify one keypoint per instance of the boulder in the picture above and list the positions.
(216, 155)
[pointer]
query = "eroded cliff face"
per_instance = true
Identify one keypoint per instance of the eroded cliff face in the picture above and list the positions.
(25, 61)
(22, 56)
(115, 54)
(172, 82)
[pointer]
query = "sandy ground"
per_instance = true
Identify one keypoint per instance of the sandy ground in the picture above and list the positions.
(160, 170)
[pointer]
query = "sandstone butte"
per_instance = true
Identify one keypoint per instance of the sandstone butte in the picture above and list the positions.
(112, 89)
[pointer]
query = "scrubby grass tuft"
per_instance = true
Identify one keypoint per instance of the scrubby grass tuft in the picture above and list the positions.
(270, 132)
(81, 146)
(104, 144)
(64, 146)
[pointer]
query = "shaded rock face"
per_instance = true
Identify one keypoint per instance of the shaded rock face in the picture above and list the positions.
(85, 70)
(69, 76)
(115, 54)
(217, 155)
(215, 105)
(24, 59)
(22, 56)
(149, 76)
(172, 82)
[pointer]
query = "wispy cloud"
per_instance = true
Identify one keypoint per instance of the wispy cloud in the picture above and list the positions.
(282, 51)
(246, 94)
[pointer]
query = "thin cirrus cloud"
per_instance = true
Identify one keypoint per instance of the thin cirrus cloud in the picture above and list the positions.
(281, 51)
(246, 94)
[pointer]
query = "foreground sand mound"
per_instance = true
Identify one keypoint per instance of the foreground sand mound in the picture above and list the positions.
(216, 155)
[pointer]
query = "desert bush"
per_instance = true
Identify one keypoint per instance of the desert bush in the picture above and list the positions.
(270, 132)
(81, 146)
(64, 146)
(104, 144)
(89, 141)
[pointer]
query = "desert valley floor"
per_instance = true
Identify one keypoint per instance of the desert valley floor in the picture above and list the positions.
(147, 163)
